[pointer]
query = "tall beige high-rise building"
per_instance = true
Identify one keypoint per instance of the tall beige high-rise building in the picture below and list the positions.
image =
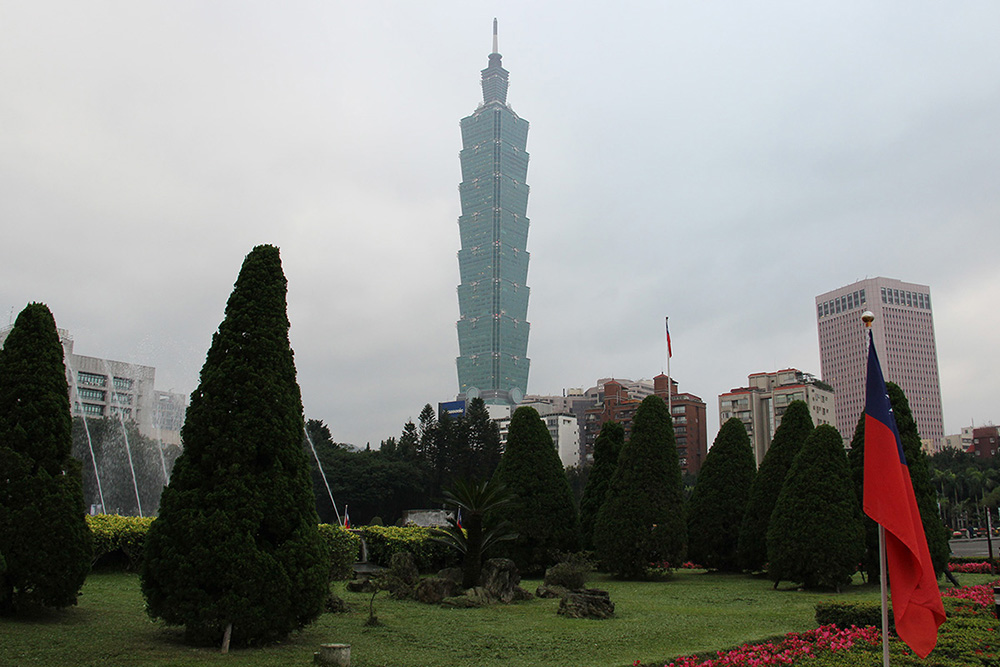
(903, 332)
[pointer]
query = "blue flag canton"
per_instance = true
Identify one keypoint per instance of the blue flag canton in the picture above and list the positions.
(877, 403)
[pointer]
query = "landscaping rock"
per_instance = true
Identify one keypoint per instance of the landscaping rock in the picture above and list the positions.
(336, 605)
(587, 603)
(401, 577)
(549, 592)
(473, 597)
(434, 590)
(500, 577)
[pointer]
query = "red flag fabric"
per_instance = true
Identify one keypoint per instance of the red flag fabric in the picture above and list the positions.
(889, 500)
(670, 351)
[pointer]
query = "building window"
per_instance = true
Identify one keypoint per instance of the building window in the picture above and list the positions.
(91, 379)
(123, 383)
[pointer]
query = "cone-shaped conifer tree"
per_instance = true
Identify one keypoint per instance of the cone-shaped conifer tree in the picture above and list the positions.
(236, 544)
(920, 476)
(796, 425)
(607, 448)
(719, 499)
(642, 518)
(541, 510)
(45, 544)
(815, 537)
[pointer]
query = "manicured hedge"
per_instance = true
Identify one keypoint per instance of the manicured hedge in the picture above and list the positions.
(344, 548)
(846, 614)
(384, 541)
(119, 543)
(118, 540)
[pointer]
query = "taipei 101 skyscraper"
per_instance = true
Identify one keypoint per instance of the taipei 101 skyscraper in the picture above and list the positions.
(493, 262)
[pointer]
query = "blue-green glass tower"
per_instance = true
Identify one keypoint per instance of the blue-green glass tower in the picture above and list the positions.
(493, 262)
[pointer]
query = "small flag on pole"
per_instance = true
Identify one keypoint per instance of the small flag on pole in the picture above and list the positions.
(458, 519)
(670, 351)
(889, 500)
(347, 518)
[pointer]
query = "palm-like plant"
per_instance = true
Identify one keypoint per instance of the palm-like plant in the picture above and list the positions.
(476, 533)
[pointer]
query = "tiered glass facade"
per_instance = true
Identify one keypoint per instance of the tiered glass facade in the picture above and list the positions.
(493, 262)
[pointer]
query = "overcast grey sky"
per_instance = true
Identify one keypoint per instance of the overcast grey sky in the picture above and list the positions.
(720, 163)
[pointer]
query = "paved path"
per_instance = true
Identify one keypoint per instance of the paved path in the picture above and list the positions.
(974, 547)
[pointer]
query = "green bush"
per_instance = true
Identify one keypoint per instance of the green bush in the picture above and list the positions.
(846, 614)
(384, 541)
(571, 575)
(343, 546)
(118, 540)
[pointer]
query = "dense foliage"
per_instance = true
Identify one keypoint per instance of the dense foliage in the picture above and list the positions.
(542, 510)
(815, 537)
(607, 448)
(45, 547)
(796, 425)
(236, 545)
(642, 518)
(119, 541)
(367, 483)
(429, 554)
(719, 499)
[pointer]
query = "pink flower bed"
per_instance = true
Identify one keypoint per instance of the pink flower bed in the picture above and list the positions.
(971, 568)
(981, 595)
(785, 652)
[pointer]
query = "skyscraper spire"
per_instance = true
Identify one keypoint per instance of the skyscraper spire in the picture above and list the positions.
(495, 76)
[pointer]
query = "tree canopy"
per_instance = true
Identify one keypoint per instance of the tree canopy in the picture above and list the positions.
(236, 546)
(45, 545)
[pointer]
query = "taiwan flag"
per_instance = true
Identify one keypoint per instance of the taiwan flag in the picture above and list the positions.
(889, 500)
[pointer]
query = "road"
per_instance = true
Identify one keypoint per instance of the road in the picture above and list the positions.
(974, 547)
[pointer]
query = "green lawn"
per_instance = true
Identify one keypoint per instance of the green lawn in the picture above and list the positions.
(692, 612)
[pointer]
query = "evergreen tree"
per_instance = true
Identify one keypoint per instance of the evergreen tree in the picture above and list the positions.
(45, 545)
(236, 548)
(920, 476)
(408, 443)
(607, 448)
(483, 436)
(719, 499)
(642, 518)
(815, 537)
(542, 510)
(796, 425)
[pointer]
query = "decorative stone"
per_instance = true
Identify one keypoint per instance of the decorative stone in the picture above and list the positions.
(360, 585)
(587, 603)
(549, 592)
(333, 655)
(433, 590)
(453, 573)
(500, 577)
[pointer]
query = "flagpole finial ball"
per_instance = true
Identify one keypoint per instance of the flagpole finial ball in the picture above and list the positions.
(868, 317)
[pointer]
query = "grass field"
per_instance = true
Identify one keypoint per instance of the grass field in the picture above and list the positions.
(691, 612)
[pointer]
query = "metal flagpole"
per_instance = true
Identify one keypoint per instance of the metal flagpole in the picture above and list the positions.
(884, 580)
(868, 317)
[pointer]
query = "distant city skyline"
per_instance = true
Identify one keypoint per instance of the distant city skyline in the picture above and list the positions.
(718, 163)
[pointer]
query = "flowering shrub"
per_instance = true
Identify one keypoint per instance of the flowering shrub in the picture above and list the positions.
(981, 595)
(664, 565)
(971, 568)
(787, 651)
(119, 538)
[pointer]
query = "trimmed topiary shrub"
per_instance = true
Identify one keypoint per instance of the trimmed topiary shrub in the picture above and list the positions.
(720, 497)
(815, 537)
(542, 510)
(236, 553)
(642, 519)
(796, 425)
(607, 448)
(44, 539)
